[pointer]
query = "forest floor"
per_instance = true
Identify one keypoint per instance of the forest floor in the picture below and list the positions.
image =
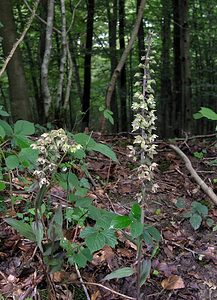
(185, 266)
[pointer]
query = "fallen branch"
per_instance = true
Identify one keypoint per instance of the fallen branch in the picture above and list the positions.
(110, 290)
(208, 190)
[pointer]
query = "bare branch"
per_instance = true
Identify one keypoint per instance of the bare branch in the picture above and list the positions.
(194, 174)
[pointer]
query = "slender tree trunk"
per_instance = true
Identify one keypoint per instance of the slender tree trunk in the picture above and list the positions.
(185, 67)
(87, 64)
(112, 22)
(41, 51)
(165, 112)
(177, 97)
(20, 102)
(46, 59)
(141, 36)
(59, 100)
(123, 79)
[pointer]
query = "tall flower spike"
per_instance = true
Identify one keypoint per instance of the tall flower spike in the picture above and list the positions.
(144, 108)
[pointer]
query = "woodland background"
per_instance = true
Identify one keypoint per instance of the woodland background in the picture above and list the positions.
(61, 72)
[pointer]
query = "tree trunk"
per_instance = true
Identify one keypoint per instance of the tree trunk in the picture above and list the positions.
(46, 60)
(141, 36)
(165, 111)
(20, 102)
(182, 112)
(87, 64)
(123, 79)
(112, 22)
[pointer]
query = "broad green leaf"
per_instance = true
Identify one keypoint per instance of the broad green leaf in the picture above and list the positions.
(110, 237)
(120, 273)
(22, 227)
(55, 227)
(147, 238)
(208, 113)
(95, 242)
(180, 203)
(28, 156)
(195, 221)
(23, 127)
(136, 211)
(2, 132)
(101, 216)
(12, 162)
(82, 257)
(2, 186)
(136, 228)
(73, 180)
(83, 202)
(145, 270)
(7, 128)
(154, 233)
(22, 141)
(38, 230)
(85, 140)
(84, 183)
(3, 113)
(120, 222)
(200, 208)
(82, 192)
(197, 116)
(105, 150)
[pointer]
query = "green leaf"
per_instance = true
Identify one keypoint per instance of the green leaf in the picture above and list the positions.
(120, 273)
(23, 127)
(85, 140)
(195, 221)
(2, 132)
(136, 228)
(83, 202)
(73, 180)
(145, 270)
(7, 128)
(22, 227)
(101, 216)
(136, 211)
(110, 237)
(105, 150)
(28, 156)
(12, 162)
(199, 208)
(22, 141)
(2, 186)
(154, 233)
(208, 113)
(120, 222)
(95, 242)
(38, 230)
(82, 257)
(55, 227)
(197, 116)
(3, 113)
(209, 222)
(180, 203)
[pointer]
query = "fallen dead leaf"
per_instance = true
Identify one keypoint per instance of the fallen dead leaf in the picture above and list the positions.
(173, 282)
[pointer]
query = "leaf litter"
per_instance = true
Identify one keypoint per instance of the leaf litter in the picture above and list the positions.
(185, 266)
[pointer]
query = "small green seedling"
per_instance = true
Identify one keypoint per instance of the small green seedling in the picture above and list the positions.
(197, 213)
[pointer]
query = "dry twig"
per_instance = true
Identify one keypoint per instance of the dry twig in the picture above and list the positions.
(208, 190)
